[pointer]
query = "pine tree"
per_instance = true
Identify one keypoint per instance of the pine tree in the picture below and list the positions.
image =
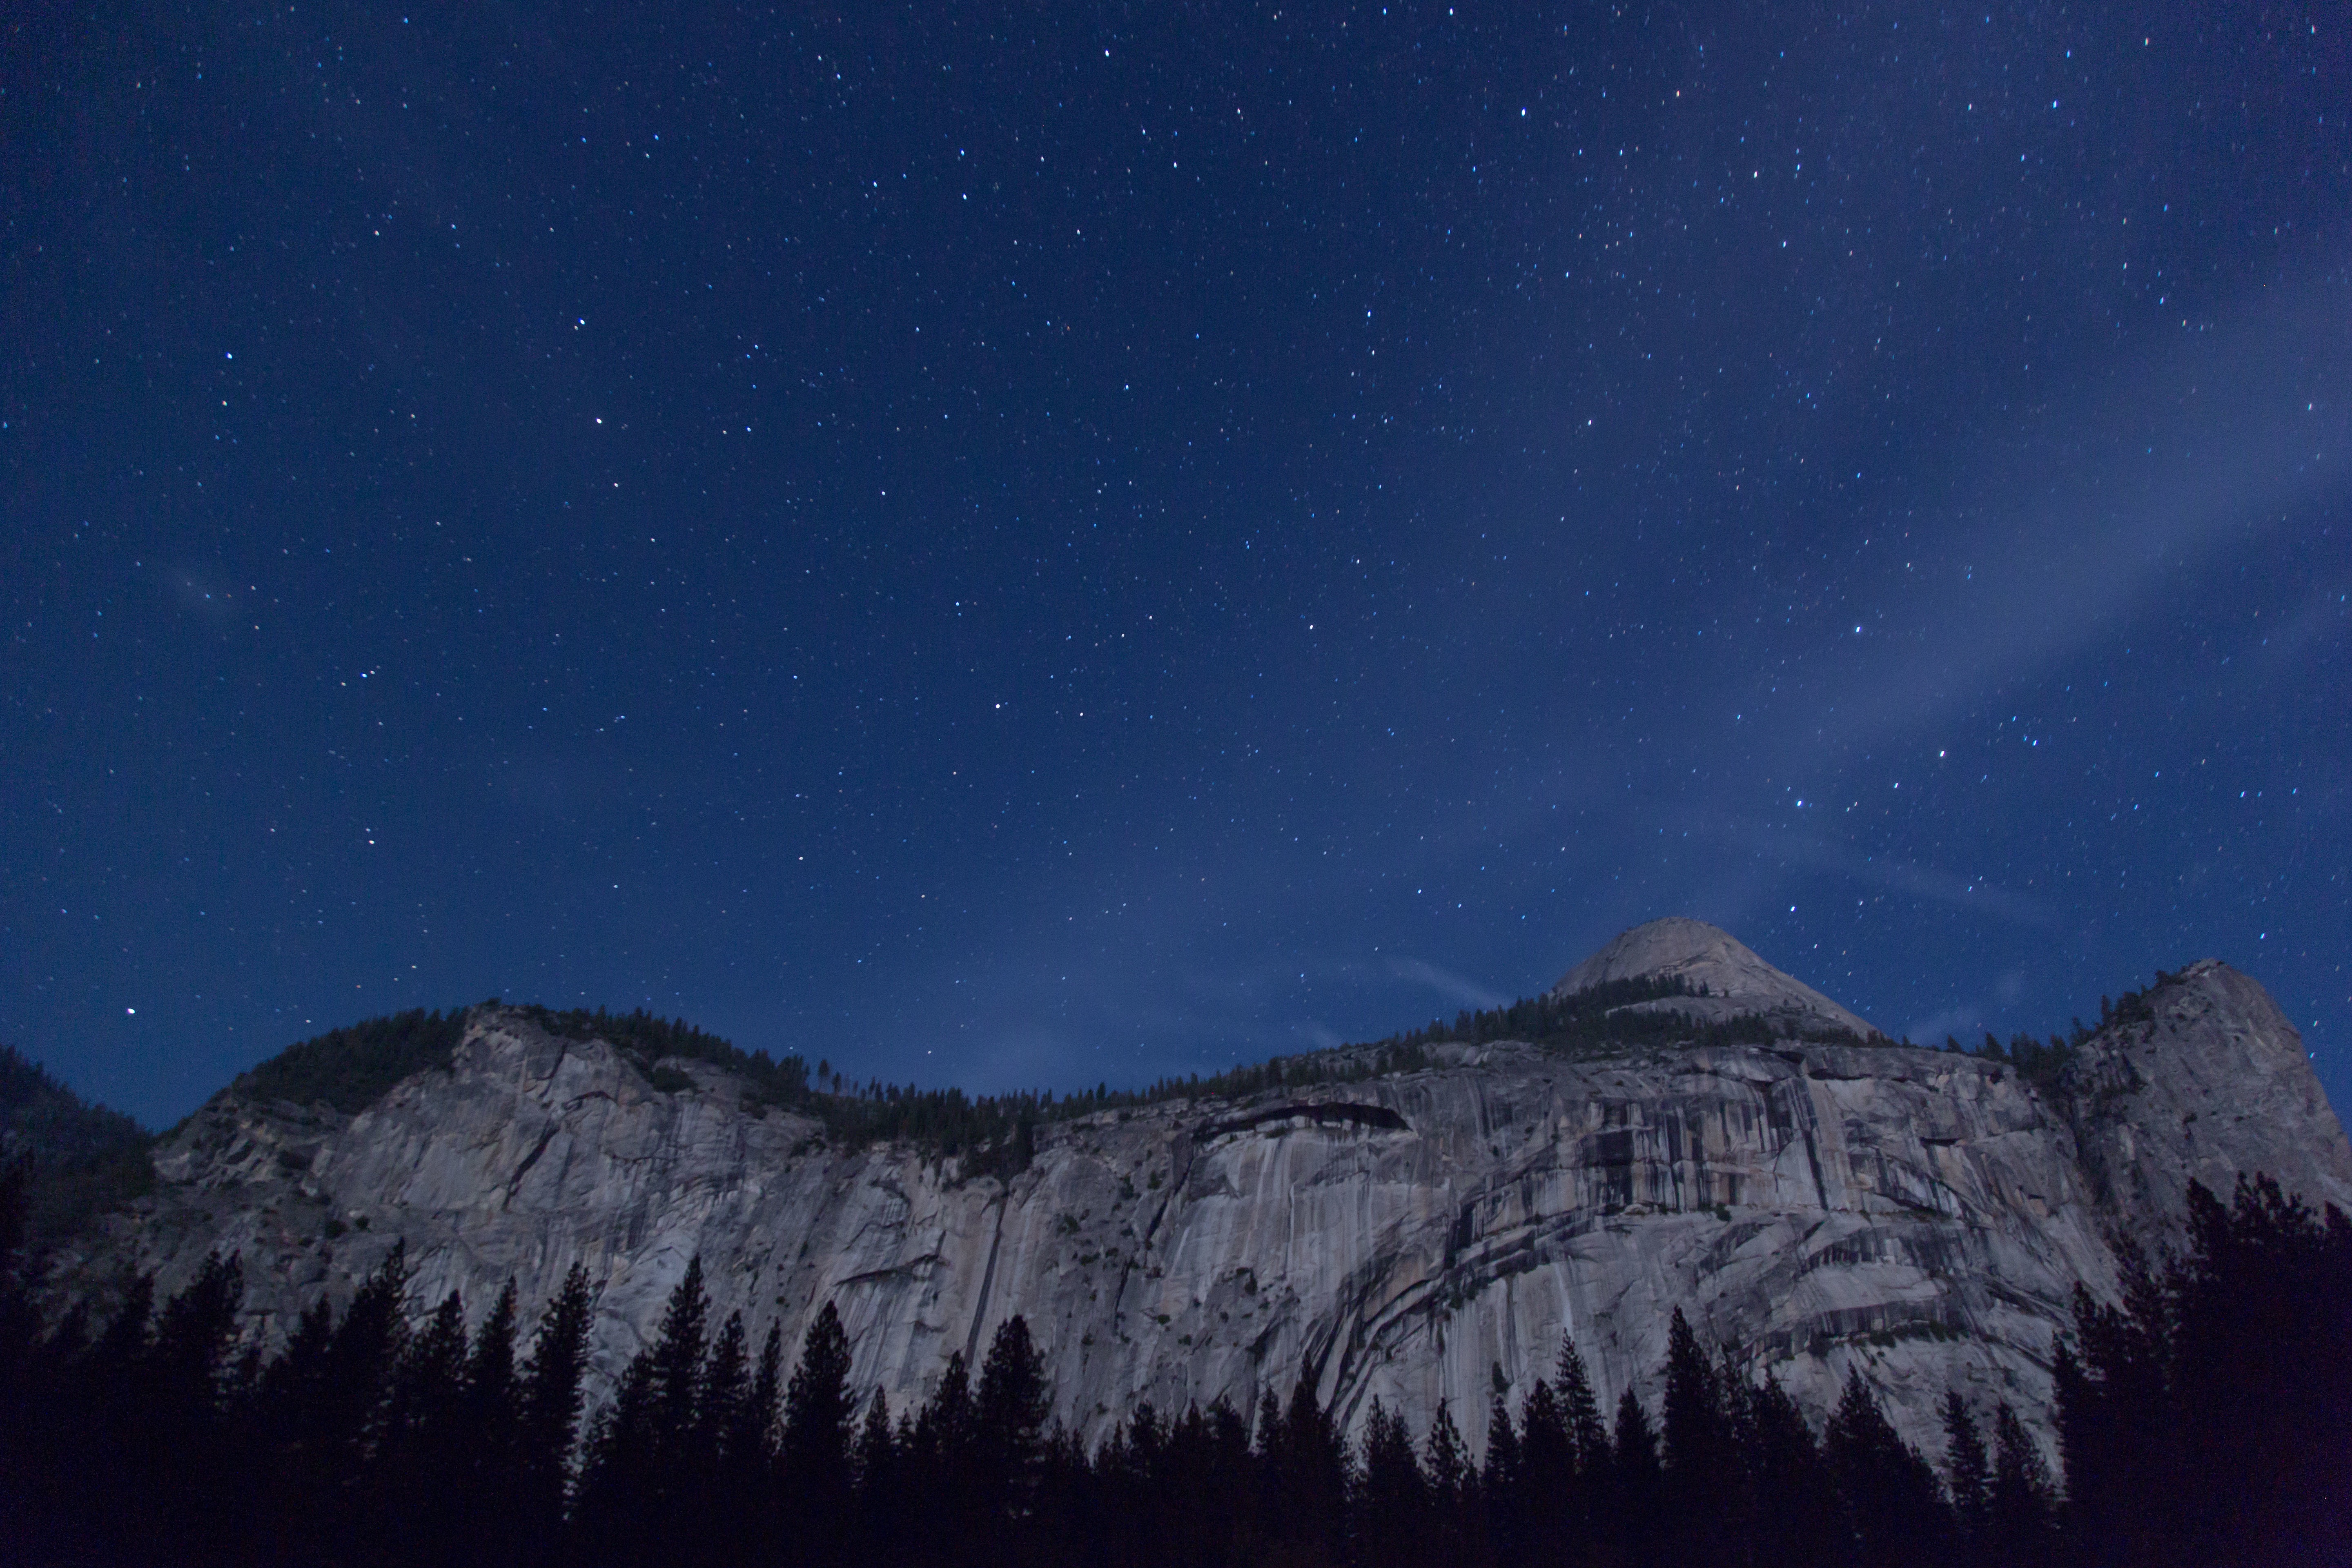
(1793, 1505)
(1894, 1510)
(946, 1507)
(183, 1441)
(1391, 1510)
(2019, 1507)
(550, 1413)
(749, 1495)
(726, 1389)
(815, 1446)
(429, 1383)
(491, 1452)
(625, 1497)
(1702, 1482)
(1967, 1473)
(1588, 1433)
(1547, 1474)
(363, 1357)
(2117, 1431)
(1012, 1409)
(1454, 1489)
(1502, 1484)
(188, 1363)
(880, 1501)
(713, 1524)
(1312, 1481)
(1639, 1481)
(425, 1443)
(674, 1374)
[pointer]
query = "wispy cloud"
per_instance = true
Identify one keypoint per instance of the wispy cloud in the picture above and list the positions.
(1454, 987)
(1929, 882)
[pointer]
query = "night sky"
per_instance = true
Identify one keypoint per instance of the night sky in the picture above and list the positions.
(1031, 546)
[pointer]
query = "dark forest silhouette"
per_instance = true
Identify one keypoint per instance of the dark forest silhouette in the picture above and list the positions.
(2205, 1418)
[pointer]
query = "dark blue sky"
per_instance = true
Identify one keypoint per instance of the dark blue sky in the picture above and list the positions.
(1028, 546)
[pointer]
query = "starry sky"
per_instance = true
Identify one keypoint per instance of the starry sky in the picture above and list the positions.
(1028, 545)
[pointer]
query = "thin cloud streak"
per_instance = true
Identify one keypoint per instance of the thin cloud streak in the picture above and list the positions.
(1455, 987)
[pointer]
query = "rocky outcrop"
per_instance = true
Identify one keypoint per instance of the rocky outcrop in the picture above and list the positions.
(1917, 1213)
(2213, 1081)
(1728, 980)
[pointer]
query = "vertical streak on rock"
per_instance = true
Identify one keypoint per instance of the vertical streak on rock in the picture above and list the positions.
(987, 1280)
(1809, 1119)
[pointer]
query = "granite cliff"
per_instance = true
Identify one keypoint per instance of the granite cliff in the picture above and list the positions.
(1921, 1214)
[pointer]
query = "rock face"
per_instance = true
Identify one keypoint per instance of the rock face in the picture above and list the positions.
(1734, 980)
(1920, 1214)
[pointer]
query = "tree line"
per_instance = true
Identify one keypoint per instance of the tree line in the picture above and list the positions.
(2205, 1418)
(352, 1066)
(1593, 1019)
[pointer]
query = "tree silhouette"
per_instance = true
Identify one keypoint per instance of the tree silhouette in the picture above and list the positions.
(1893, 1508)
(815, 1444)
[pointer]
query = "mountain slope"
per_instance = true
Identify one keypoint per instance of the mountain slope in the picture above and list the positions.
(1731, 979)
(84, 1158)
(1917, 1213)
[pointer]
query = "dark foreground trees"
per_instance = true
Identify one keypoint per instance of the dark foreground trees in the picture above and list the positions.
(2206, 1419)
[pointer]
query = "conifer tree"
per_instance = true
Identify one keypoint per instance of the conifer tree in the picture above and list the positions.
(1312, 1480)
(1894, 1510)
(1967, 1472)
(640, 1485)
(875, 1443)
(2018, 1509)
(550, 1412)
(1502, 1482)
(1580, 1407)
(2117, 1434)
(1792, 1507)
(1454, 1489)
(946, 1508)
(674, 1375)
(1012, 1409)
(1547, 1479)
(180, 1443)
(188, 1363)
(726, 1389)
(425, 1443)
(491, 1451)
(362, 1357)
(1702, 1481)
(878, 1490)
(815, 1445)
(747, 1453)
(1390, 1508)
(625, 1494)
(714, 1521)
(1633, 1450)
(429, 1381)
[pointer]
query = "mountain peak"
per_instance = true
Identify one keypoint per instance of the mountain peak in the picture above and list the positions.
(1735, 979)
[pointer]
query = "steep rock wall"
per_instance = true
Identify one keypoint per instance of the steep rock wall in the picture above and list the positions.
(1921, 1214)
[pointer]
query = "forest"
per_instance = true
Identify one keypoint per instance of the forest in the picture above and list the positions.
(2205, 1417)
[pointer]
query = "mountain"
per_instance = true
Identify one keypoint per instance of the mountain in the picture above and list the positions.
(1411, 1234)
(83, 1159)
(1729, 979)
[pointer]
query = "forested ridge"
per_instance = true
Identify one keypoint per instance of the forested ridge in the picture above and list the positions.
(349, 1069)
(89, 1158)
(2204, 1418)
